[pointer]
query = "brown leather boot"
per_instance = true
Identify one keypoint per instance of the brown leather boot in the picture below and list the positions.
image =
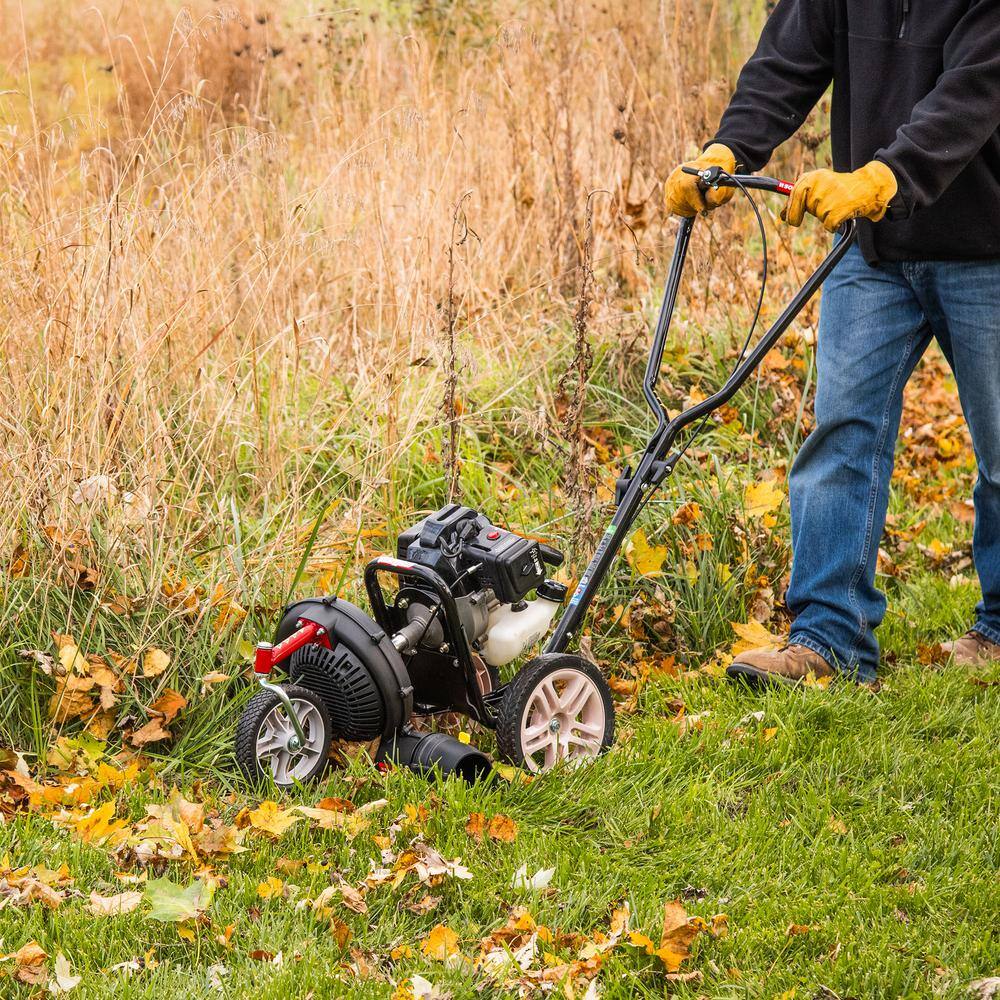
(789, 665)
(972, 650)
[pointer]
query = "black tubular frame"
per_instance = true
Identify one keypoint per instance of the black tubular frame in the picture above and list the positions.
(460, 652)
(657, 462)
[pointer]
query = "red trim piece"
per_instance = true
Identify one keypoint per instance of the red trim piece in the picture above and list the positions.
(262, 660)
(785, 187)
(266, 659)
(391, 562)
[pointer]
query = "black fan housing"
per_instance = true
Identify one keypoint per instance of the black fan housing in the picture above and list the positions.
(346, 685)
(361, 678)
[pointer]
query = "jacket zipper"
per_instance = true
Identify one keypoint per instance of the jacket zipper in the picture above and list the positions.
(903, 17)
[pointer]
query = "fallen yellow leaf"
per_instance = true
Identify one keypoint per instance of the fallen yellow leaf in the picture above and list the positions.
(99, 826)
(71, 658)
(352, 823)
(762, 498)
(440, 944)
(644, 558)
(271, 819)
(753, 635)
(154, 662)
(270, 887)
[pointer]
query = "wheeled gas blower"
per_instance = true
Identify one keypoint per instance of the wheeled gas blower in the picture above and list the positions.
(460, 611)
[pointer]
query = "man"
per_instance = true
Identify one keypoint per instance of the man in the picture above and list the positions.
(916, 155)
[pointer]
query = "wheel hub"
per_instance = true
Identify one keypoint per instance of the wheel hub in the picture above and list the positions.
(279, 748)
(564, 719)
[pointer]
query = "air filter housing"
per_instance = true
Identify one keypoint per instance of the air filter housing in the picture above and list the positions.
(346, 685)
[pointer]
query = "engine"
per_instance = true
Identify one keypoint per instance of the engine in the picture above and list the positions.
(490, 572)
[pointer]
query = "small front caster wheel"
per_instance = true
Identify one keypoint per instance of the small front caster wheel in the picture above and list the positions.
(557, 708)
(267, 744)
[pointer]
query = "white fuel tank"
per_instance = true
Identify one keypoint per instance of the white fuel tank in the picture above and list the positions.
(511, 632)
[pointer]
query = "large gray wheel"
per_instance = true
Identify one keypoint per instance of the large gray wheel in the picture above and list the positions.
(266, 742)
(558, 708)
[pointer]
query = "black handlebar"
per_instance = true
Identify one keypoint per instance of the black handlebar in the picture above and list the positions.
(717, 177)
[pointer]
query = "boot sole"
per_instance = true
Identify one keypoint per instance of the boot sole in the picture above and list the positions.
(757, 679)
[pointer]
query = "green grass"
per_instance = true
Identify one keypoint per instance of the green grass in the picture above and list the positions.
(869, 817)
(903, 903)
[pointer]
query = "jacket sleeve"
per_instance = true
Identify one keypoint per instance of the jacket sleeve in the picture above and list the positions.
(953, 122)
(780, 85)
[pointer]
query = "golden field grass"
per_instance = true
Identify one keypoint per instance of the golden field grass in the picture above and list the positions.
(231, 237)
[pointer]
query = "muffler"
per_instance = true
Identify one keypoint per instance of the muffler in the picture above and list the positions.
(428, 752)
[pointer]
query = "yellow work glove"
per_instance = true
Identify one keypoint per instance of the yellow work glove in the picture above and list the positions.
(834, 198)
(681, 192)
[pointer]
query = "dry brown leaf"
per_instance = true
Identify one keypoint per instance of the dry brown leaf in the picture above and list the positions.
(476, 825)
(353, 899)
(502, 828)
(687, 513)
(426, 904)
(213, 677)
(101, 724)
(113, 906)
(336, 805)
(66, 705)
(29, 963)
(169, 704)
(341, 933)
(152, 732)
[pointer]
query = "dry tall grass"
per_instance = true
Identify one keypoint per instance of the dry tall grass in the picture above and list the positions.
(226, 235)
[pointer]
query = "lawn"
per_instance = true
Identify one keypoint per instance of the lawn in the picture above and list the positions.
(849, 837)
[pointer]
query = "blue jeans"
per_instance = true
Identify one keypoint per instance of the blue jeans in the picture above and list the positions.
(875, 323)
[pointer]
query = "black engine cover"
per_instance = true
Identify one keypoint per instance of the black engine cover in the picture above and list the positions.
(457, 538)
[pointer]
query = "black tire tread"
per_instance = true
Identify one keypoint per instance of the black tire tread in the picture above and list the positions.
(512, 705)
(249, 723)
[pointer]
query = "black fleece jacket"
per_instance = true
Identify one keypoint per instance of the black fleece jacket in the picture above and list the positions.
(916, 84)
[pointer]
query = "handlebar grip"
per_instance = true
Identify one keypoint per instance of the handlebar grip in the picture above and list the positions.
(550, 555)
